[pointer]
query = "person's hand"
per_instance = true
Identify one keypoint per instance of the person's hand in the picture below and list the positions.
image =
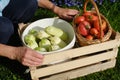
(28, 57)
(65, 13)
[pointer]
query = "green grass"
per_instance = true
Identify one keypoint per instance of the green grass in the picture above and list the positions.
(12, 70)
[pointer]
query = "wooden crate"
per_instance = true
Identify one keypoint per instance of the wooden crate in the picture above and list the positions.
(77, 62)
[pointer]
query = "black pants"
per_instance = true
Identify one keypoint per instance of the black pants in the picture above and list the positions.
(16, 12)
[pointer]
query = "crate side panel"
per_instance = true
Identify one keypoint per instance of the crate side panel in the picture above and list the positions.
(75, 64)
(83, 71)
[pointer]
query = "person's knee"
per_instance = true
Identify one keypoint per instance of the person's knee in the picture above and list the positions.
(6, 26)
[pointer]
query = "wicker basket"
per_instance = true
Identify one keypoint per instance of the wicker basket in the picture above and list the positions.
(82, 41)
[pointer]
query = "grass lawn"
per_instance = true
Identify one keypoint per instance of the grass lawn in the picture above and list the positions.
(12, 70)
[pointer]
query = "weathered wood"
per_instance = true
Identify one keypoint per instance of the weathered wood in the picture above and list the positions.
(81, 62)
(82, 71)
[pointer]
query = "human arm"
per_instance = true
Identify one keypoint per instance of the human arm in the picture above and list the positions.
(64, 13)
(24, 55)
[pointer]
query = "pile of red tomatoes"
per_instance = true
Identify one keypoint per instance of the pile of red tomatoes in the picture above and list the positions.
(88, 25)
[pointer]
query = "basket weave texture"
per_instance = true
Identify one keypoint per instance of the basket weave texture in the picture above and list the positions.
(82, 41)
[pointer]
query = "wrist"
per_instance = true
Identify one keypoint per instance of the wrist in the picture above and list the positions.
(13, 54)
(7, 51)
(55, 9)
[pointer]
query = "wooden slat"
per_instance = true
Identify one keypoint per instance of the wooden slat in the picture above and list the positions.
(72, 64)
(64, 55)
(83, 71)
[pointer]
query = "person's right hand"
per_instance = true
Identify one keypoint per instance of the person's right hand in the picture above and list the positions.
(28, 57)
(65, 13)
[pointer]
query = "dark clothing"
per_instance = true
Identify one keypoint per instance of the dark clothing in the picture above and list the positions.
(15, 12)
(6, 29)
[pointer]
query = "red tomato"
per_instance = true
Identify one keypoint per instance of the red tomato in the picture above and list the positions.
(86, 14)
(93, 31)
(89, 37)
(79, 19)
(92, 18)
(82, 30)
(87, 24)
